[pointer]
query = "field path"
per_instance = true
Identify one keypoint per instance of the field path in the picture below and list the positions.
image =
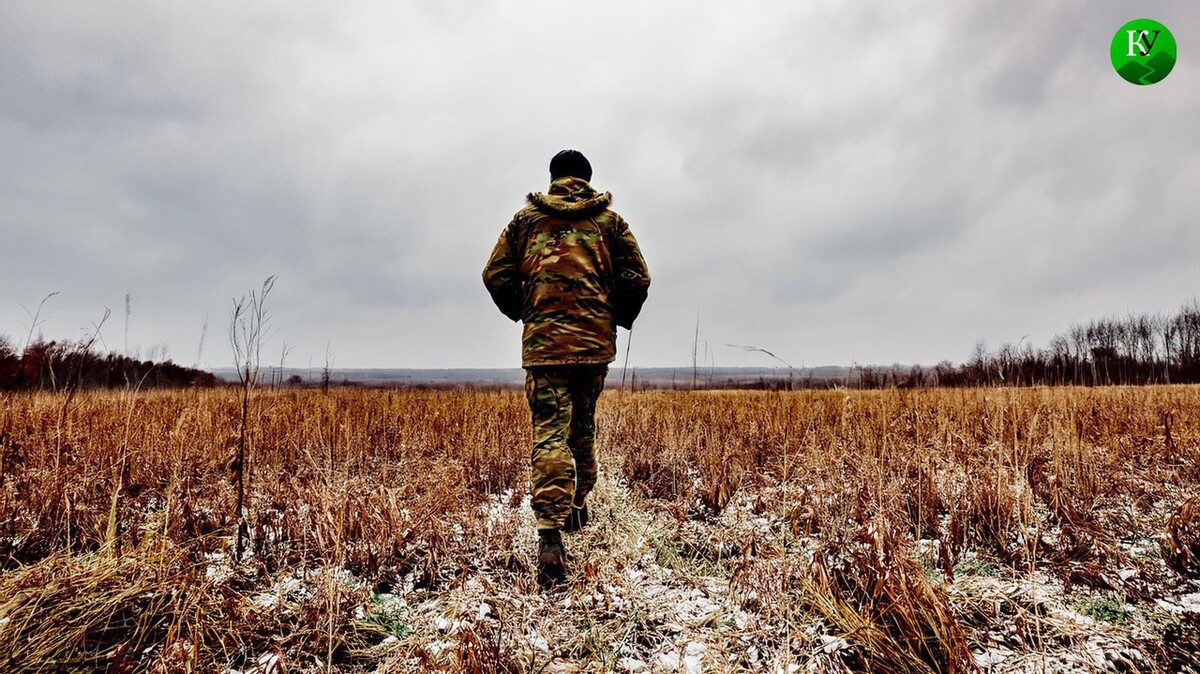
(639, 600)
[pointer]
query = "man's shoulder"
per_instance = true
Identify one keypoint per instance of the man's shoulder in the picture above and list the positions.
(527, 211)
(521, 219)
(610, 214)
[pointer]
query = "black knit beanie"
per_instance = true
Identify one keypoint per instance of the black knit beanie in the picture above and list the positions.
(570, 163)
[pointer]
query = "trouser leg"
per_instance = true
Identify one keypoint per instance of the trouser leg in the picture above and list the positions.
(586, 385)
(553, 468)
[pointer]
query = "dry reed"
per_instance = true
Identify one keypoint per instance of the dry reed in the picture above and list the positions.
(117, 513)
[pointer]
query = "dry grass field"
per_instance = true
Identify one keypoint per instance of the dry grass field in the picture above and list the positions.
(899, 531)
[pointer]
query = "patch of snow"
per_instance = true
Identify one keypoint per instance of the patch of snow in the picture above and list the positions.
(693, 655)
(539, 642)
(992, 656)
(290, 589)
(1190, 602)
(633, 665)
(831, 644)
(1168, 606)
(668, 662)
(1069, 615)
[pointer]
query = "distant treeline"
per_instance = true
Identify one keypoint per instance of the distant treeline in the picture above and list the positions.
(1137, 349)
(60, 365)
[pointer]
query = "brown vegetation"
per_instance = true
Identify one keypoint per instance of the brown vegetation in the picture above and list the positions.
(63, 365)
(842, 531)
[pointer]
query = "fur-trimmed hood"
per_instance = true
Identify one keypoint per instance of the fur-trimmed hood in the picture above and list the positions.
(571, 199)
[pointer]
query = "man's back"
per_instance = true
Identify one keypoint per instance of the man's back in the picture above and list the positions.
(570, 269)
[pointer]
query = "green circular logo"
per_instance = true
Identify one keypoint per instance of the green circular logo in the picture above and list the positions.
(1143, 51)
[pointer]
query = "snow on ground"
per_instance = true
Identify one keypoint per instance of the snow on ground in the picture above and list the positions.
(651, 593)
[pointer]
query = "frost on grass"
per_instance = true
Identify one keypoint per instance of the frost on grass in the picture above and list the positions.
(1023, 530)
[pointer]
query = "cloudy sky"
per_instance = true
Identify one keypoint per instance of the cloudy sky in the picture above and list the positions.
(874, 185)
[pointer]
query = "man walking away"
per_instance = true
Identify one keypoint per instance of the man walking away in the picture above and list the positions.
(569, 268)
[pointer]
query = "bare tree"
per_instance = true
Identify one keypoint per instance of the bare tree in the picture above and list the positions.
(247, 326)
(978, 364)
(127, 312)
(35, 319)
(326, 371)
(695, 343)
(277, 378)
(200, 349)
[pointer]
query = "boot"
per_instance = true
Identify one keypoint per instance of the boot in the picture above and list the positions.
(552, 558)
(577, 520)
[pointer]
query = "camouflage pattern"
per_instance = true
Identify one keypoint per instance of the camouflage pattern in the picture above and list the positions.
(562, 401)
(570, 269)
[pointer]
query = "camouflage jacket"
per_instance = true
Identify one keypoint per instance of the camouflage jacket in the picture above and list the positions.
(570, 269)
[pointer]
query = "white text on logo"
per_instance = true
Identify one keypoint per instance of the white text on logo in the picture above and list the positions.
(1137, 38)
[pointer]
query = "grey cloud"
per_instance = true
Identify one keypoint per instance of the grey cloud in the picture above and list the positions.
(823, 181)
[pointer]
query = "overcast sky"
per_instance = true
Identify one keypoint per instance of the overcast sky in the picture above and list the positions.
(832, 184)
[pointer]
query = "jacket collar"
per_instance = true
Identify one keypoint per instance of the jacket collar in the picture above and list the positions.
(571, 197)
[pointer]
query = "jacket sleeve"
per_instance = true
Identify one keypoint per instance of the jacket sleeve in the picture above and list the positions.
(631, 277)
(502, 274)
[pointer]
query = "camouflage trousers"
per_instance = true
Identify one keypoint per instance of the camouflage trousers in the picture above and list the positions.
(562, 401)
